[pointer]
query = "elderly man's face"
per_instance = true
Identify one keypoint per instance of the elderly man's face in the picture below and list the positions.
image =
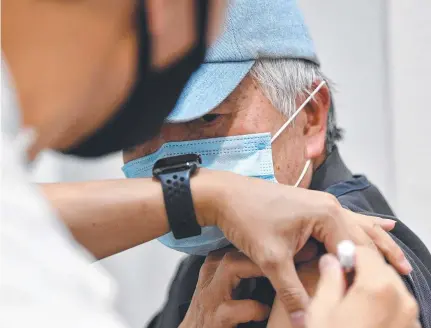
(248, 111)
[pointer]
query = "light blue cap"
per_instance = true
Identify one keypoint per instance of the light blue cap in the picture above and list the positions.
(254, 29)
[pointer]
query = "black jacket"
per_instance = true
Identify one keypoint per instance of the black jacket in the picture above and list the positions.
(354, 192)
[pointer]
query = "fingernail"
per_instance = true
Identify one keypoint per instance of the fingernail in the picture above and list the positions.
(327, 261)
(297, 319)
(390, 221)
(406, 265)
(388, 224)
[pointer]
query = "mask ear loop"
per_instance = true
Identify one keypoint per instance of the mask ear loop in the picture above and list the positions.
(277, 134)
(285, 125)
(307, 165)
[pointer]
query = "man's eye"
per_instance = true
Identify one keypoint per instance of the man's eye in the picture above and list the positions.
(209, 118)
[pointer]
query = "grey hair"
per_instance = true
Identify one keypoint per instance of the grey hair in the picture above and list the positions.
(284, 80)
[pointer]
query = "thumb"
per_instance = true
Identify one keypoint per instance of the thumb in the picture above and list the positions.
(330, 289)
(291, 292)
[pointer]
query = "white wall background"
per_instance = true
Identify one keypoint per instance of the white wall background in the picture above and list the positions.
(378, 53)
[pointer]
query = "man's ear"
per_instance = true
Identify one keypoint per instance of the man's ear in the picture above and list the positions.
(315, 127)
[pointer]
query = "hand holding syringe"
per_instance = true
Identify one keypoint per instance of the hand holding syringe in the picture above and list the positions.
(373, 297)
(356, 289)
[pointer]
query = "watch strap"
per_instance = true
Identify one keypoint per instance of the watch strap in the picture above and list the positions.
(179, 204)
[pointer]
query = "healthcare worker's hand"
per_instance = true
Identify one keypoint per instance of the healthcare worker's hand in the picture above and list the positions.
(213, 304)
(377, 298)
(270, 223)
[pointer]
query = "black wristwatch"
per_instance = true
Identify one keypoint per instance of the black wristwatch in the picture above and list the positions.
(174, 173)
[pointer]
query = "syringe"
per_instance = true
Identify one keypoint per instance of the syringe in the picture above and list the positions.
(346, 251)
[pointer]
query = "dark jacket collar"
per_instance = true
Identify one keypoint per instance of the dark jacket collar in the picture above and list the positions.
(332, 171)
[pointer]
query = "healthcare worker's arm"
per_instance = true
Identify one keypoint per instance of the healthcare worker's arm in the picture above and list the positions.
(269, 222)
(110, 216)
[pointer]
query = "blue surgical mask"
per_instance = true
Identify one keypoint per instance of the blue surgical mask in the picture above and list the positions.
(248, 155)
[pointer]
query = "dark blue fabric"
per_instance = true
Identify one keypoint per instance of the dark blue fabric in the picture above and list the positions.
(357, 183)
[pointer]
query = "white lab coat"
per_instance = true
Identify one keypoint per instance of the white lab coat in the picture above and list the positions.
(46, 279)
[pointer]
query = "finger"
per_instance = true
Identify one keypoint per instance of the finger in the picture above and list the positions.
(290, 290)
(376, 228)
(408, 316)
(369, 232)
(342, 224)
(218, 254)
(385, 224)
(372, 273)
(378, 291)
(361, 237)
(233, 267)
(417, 324)
(330, 289)
(208, 269)
(278, 317)
(368, 262)
(409, 308)
(231, 313)
(389, 248)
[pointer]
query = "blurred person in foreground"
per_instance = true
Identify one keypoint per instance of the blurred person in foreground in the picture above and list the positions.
(95, 76)
(258, 107)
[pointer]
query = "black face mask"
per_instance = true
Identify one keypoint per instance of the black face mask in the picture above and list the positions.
(153, 97)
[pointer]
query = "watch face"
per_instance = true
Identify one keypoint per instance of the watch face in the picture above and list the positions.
(176, 163)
